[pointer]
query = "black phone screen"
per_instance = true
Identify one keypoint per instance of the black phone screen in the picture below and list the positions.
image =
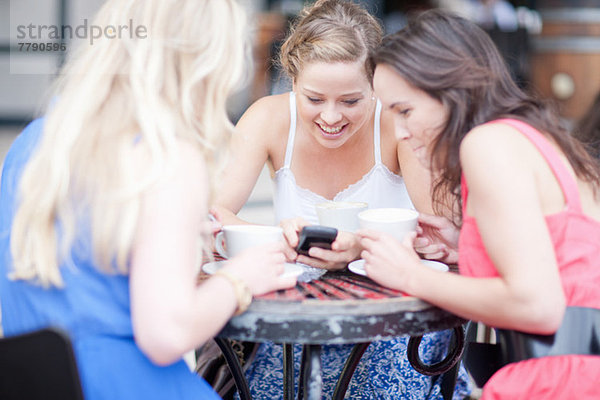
(315, 236)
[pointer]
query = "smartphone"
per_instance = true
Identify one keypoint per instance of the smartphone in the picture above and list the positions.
(315, 236)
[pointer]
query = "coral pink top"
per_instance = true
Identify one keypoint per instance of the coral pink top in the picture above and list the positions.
(576, 240)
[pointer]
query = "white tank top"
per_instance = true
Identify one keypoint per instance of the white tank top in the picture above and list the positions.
(379, 188)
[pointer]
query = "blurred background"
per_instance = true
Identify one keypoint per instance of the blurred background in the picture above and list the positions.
(552, 47)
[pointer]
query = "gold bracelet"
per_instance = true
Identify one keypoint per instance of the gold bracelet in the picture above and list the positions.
(242, 291)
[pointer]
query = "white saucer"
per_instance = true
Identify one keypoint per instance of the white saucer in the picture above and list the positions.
(289, 270)
(440, 266)
(358, 266)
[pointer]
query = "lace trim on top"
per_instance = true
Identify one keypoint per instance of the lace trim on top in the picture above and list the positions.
(347, 191)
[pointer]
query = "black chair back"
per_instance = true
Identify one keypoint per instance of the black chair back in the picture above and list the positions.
(481, 360)
(39, 365)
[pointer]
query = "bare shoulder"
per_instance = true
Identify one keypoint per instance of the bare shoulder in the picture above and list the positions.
(266, 117)
(498, 159)
(492, 132)
(494, 141)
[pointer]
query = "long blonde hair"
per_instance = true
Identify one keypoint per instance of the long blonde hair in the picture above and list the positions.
(117, 94)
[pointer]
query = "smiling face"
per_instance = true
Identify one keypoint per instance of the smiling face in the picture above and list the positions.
(335, 100)
(418, 117)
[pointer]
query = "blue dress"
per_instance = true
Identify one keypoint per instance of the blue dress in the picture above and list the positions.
(93, 307)
(384, 371)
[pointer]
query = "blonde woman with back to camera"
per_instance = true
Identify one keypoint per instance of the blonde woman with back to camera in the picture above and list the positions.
(104, 202)
(329, 140)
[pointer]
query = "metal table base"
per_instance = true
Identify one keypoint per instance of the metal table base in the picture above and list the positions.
(339, 308)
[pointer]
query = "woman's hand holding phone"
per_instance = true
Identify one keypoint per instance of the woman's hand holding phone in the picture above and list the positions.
(315, 236)
(335, 255)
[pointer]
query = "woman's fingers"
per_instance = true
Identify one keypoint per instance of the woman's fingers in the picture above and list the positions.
(434, 221)
(422, 242)
(322, 263)
(214, 214)
(343, 241)
(368, 234)
(290, 234)
(290, 252)
(365, 255)
(327, 256)
(291, 227)
(409, 239)
(366, 244)
(322, 254)
(310, 261)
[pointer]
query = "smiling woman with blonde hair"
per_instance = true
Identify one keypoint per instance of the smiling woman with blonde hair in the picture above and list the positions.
(104, 202)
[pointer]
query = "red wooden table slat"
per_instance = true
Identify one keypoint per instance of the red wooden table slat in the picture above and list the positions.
(360, 291)
(313, 291)
(370, 285)
(333, 290)
(287, 294)
(327, 288)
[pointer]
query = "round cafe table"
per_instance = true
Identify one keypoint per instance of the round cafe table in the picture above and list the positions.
(339, 307)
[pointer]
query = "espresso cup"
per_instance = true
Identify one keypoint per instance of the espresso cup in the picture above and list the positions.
(397, 222)
(238, 238)
(342, 215)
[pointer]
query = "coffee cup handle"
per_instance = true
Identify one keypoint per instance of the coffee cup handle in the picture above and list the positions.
(219, 245)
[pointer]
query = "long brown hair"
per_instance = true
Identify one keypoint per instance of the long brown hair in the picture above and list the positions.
(456, 62)
(588, 128)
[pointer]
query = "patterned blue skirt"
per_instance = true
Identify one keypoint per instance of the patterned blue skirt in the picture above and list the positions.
(384, 371)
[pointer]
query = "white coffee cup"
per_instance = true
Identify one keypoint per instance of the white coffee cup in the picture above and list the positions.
(397, 222)
(342, 215)
(241, 237)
